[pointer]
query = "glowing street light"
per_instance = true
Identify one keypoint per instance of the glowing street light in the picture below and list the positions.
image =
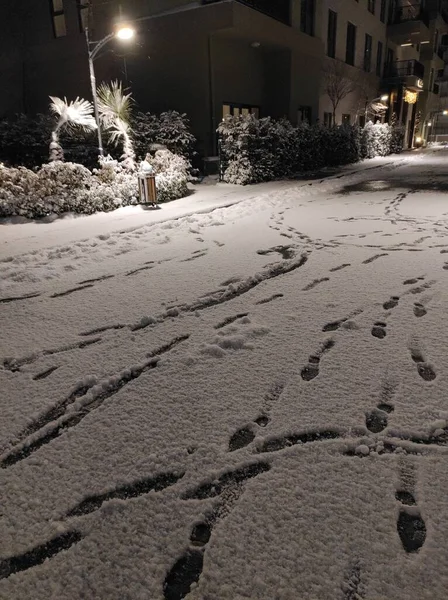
(445, 112)
(384, 98)
(124, 33)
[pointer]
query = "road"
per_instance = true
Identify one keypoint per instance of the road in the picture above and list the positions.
(243, 403)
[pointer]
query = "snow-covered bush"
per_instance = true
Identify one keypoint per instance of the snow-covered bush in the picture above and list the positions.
(171, 129)
(254, 150)
(171, 173)
(61, 187)
(397, 139)
(376, 140)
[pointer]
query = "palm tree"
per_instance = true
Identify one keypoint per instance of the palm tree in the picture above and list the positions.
(115, 112)
(78, 113)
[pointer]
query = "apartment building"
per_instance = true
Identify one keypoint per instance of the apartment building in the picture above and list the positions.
(210, 58)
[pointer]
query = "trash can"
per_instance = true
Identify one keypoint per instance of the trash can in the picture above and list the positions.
(147, 189)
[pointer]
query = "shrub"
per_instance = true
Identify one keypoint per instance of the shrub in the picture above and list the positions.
(254, 150)
(376, 140)
(61, 187)
(171, 175)
(171, 129)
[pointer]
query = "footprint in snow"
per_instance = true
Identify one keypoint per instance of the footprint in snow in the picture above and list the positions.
(379, 330)
(411, 527)
(425, 370)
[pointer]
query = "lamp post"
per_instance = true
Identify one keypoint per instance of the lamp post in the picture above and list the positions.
(93, 48)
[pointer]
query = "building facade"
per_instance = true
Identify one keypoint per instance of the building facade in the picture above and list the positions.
(210, 58)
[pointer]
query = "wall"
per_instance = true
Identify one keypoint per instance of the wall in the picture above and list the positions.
(366, 23)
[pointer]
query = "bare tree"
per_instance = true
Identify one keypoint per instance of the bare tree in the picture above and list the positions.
(337, 83)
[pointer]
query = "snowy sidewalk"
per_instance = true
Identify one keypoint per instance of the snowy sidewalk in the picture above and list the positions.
(243, 404)
(17, 237)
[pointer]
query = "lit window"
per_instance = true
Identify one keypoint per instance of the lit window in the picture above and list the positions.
(346, 118)
(236, 110)
(57, 13)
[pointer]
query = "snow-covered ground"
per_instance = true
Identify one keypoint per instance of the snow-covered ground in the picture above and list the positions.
(245, 389)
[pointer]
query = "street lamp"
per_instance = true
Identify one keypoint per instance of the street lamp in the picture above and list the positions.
(93, 48)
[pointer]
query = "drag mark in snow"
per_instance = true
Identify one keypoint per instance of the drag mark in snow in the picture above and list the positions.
(279, 443)
(17, 298)
(71, 291)
(135, 271)
(311, 370)
(38, 554)
(230, 320)
(352, 584)
(344, 266)
(102, 278)
(270, 299)
(315, 283)
(45, 374)
(124, 492)
(245, 286)
(102, 329)
(188, 568)
(372, 258)
(53, 423)
(217, 486)
(425, 370)
(194, 257)
(14, 364)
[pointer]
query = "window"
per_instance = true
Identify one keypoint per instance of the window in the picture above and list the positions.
(431, 80)
(83, 14)
(307, 9)
(237, 110)
(383, 11)
(436, 40)
(328, 119)
(379, 58)
(57, 13)
(346, 119)
(362, 120)
(368, 53)
(351, 44)
(331, 33)
(304, 114)
(371, 6)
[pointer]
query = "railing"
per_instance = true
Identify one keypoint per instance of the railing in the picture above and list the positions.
(279, 10)
(402, 13)
(404, 68)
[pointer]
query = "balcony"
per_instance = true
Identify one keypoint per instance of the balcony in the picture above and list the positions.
(409, 73)
(408, 23)
(279, 10)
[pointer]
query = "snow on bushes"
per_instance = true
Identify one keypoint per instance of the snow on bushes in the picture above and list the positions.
(171, 175)
(255, 150)
(61, 187)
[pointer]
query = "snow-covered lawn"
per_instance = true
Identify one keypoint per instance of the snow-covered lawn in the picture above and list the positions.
(246, 389)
